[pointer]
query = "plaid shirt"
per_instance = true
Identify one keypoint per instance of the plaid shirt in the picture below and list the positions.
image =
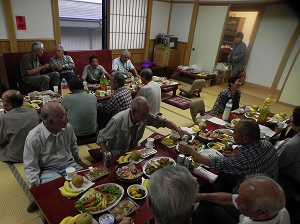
(121, 100)
(259, 157)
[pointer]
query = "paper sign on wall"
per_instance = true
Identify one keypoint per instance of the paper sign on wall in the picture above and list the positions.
(21, 22)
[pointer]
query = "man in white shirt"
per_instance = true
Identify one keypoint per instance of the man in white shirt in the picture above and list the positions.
(260, 200)
(151, 91)
(124, 65)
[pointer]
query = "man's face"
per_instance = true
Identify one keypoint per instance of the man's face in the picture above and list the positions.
(237, 40)
(245, 200)
(142, 114)
(237, 84)
(125, 57)
(39, 52)
(238, 138)
(61, 120)
(94, 63)
(58, 52)
(6, 105)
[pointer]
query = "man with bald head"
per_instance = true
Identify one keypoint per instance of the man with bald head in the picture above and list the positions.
(14, 126)
(124, 65)
(260, 200)
(34, 74)
(50, 148)
(127, 127)
(255, 155)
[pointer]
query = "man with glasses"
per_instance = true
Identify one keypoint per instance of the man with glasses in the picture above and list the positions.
(126, 128)
(37, 75)
(124, 65)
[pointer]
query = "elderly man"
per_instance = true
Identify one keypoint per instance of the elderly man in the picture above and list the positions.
(124, 65)
(172, 191)
(92, 72)
(260, 200)
(121, 98)
(81, 109)
(151, 91)
(63, 64)
(33, 72)
(255, 155)
(126, 128)
(14, 126)
(50, 148)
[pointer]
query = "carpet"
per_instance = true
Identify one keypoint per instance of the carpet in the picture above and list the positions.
(178, 101)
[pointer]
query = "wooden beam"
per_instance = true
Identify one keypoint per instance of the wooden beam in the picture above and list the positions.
(148, 26)
(10, 25)
(56, 23)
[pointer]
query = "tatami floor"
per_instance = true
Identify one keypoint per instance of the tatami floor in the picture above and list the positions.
(14, 196)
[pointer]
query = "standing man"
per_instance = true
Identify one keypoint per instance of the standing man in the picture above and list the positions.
(93, 71)
(50, 148)
(81, 109)
(151, 91)
(255, 155)
(238, 52)
(124, 65)
(63, 64)
(33, 73)
(14, 126)
(126, 128)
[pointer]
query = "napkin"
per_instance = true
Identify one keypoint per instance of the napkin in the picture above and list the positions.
(211, 177)
(217, 121)
(86, 184)
(266, 130)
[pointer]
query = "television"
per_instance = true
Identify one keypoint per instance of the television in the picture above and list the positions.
(167, 40)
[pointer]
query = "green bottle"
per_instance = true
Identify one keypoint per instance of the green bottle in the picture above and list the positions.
(264, 115)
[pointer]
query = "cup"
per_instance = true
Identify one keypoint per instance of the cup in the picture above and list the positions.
(262, 134)
(280, 124)
(101, 93)
(70, 172)
(108, 92)
(247, 108)
(150, 142)
(1, 111)
(45, 99)
(133, 86)
(55, 88)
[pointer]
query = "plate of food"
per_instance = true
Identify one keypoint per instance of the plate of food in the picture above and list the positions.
(205, 136)
(229, 126)
(197, 145)
(146, 152)
(36, 101)
(238, 111)
(100, 198)
(157, 163)
(96, 173)
(123, 209)
(235, 121)
(129, 172)
(169, 141)
(253, 115)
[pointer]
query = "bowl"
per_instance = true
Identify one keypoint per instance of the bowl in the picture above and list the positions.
(137, 191)
(129, 179)
(215, 146)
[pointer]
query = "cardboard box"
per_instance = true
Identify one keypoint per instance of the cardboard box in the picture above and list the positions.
(220, 79)
(161, 55)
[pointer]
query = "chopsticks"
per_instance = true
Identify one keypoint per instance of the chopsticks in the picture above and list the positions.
(89, 169)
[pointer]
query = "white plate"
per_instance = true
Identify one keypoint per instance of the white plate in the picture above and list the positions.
(229, 126)
(234, 121)
(224, 131)
(106, 218)
(155, 159)
(86, 185)
(146, 152)
(112, 205)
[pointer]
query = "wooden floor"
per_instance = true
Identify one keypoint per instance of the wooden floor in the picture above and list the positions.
(15, 196)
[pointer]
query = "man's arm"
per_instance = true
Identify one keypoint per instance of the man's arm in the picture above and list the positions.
(197, 157)
(220, 198)
(135, 73)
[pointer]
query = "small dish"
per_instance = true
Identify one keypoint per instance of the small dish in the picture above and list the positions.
(148, 146)
(106, 219)
(137, 191)
(214, 146)
(123, 208)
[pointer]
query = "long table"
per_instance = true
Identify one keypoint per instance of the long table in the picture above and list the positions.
(54, 207)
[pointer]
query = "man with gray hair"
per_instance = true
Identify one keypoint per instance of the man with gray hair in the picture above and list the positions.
(260, 200)
(124, 65)
(151, 91)
(33, 73)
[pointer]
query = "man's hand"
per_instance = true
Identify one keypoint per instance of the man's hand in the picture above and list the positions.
(182, 133)
(185, 149)
(127, 220)
(228, 153)
(59, 67)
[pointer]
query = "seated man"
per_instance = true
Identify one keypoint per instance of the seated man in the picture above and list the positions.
(232, 92)
(77, 105)
(126, 128)
(33, 72)
(172, 191)
(259, 200)
(121, 98)
(124, 65)
(289, 156)
(151, 91)
(63, 64)
(93, 71)
(254, 156)
(50, 148)
(14, 126)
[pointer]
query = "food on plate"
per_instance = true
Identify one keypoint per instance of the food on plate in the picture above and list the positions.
(145, 152)
(222, 145)
(124, 208)
(157, 164)
(282, 114)
(68, 188)
(34, 105)
(97, 92)
(214, 146)
(146, 183)
(36, 93)
(253, 115)
(77, 181)
(229, 126)
(99, 198)
(168, 142)
(136, 155)
(235, 121)
(173, 138)
(36, 101)
(68, 194)
(255, 107)
(128, 172)
(69, 219)
(238, 111)
(121, 158)
(202, 126)
(96, 173)
(195, 128)
(124, 158)
(26, 105)
(84, 218)
(206, 136)
(137, 191)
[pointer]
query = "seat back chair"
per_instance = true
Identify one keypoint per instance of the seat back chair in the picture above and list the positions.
(196, 88)
(198, 107)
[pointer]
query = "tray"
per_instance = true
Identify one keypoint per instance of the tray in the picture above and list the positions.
(123, 209)
(97, 173)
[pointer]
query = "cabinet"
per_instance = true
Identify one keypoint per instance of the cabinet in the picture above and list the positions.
(233, 25)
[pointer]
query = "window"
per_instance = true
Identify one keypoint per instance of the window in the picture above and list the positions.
(127, 24)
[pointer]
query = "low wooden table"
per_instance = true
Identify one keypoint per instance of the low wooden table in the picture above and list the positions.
(212, 77)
